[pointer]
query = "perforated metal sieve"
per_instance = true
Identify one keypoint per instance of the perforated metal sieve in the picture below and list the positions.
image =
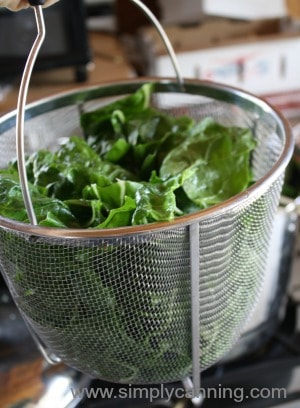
(171, 298)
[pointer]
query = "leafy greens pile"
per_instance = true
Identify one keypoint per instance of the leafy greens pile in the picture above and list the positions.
(135, 166)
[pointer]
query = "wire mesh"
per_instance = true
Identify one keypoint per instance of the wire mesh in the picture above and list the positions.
(117, 304)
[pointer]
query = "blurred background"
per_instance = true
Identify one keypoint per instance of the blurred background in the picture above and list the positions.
(253, 45)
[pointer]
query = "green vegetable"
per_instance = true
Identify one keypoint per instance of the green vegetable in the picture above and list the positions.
(219, 157)
(47, 209)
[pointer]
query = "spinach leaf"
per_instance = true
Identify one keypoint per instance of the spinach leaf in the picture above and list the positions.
(103, 120)
(48, 211)
(131, 133)
(220, 158)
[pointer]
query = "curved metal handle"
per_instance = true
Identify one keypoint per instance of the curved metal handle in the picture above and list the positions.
(164, 38)
(21, 110)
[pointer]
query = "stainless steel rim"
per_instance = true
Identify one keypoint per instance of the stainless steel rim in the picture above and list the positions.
(192, 86)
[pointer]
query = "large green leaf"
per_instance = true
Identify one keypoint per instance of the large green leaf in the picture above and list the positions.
(220, 159)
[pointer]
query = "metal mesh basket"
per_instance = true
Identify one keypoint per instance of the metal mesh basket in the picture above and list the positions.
(135, 326)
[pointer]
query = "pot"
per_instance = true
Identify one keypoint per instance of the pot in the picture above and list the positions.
(271, 305)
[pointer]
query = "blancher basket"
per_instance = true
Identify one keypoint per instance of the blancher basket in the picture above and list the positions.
(134, 325)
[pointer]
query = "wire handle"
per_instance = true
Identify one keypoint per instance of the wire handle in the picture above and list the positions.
(164, 38)
(39, 17)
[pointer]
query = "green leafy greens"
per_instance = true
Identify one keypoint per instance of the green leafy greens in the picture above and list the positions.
(137, 165)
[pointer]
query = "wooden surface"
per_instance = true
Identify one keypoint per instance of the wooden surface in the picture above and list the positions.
(109, 64)
(293, 8)
(21, 383)
(20, 362)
